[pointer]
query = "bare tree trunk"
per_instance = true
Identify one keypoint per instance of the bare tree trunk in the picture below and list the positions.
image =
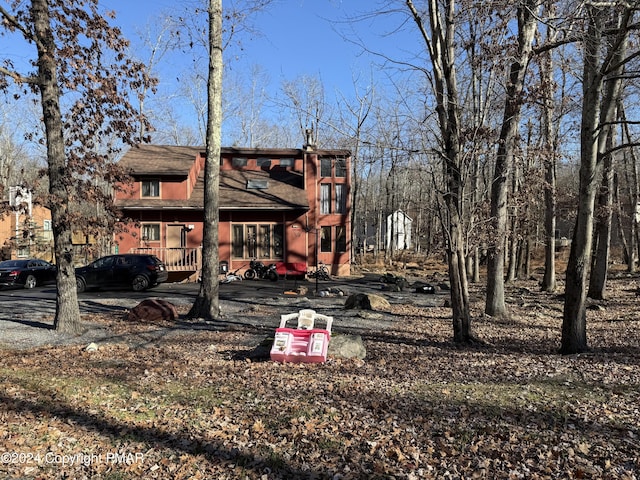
(207, 304)
(495, 304)
(67, 317)
(514, 231)
(600, 264)
(549, 278)
(459, 287)
(361, 115)
(549, 156)
(527, 257)
(619, 223)
(442, 54)
(598, 111)
(476, 265)
(633, 191)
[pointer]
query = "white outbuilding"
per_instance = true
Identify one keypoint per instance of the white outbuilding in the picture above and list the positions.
(398, 231)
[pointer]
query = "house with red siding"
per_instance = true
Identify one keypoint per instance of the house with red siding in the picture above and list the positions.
(285, 206)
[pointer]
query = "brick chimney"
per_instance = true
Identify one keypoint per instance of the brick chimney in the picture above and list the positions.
(308, 145)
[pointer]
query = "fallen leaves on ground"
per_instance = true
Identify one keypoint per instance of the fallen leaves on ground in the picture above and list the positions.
(198, 405)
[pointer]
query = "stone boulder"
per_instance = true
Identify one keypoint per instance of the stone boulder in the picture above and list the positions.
(347, 346)
(153, 310)
(366, 301)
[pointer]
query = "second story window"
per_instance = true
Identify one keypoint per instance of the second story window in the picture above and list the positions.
(341, 167)
(325, 167)
(263, 162)
(151, 188)
(341, 198)
(238, 162)
(325, 198)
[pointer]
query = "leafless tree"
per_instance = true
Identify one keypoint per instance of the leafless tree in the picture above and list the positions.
(605, 53)
(527, 17)
(207, 304)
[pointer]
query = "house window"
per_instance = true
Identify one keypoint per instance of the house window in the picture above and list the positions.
(252, 241)
(286, 162)
(237, 244)
(325, 198)
(47, 230)
(151, 188)
(278, 240)
(265, 240)
(341, 167)
(151, 232)
(238, 162)
(263, 162)
(341, 198)
(325, 167)
(264, 233)
(325, 239)
(257, 184)
(341, 238)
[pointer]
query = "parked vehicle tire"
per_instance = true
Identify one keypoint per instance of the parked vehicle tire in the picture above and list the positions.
(250, 274)
(272, 275)
(140, 283)
(81, 286)
(30, 282)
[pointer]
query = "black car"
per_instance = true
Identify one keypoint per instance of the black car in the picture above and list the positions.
(27, 273)
(134, 271)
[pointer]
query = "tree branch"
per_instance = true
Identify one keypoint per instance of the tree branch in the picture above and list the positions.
(13, 22)
(17, 77)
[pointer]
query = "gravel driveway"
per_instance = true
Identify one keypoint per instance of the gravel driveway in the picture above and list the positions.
(27, 322)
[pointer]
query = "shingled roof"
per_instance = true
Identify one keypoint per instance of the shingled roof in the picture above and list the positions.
(284, 189)
(160, 159)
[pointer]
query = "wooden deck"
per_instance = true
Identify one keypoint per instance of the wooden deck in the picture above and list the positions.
(182, 263)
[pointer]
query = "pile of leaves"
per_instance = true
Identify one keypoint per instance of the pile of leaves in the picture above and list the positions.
(200, 405)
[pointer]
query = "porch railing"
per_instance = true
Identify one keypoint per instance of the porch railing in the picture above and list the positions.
(176, 259)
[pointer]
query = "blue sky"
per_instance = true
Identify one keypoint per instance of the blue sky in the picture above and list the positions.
(293, 38)
(298, 38)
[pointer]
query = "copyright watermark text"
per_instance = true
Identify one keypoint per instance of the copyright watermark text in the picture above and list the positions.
(52, 458)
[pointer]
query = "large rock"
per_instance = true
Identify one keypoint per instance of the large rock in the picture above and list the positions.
(347, 346)
(153, 310)
(366, 301)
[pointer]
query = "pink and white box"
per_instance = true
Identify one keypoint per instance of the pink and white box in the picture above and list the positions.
(302, 344)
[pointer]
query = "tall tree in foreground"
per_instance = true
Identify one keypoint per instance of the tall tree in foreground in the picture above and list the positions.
(527, 20)
(79, 64)
(604, 55)
(440, 43)
(207, 303)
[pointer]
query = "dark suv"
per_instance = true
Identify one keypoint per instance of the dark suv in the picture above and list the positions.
(138, 272)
